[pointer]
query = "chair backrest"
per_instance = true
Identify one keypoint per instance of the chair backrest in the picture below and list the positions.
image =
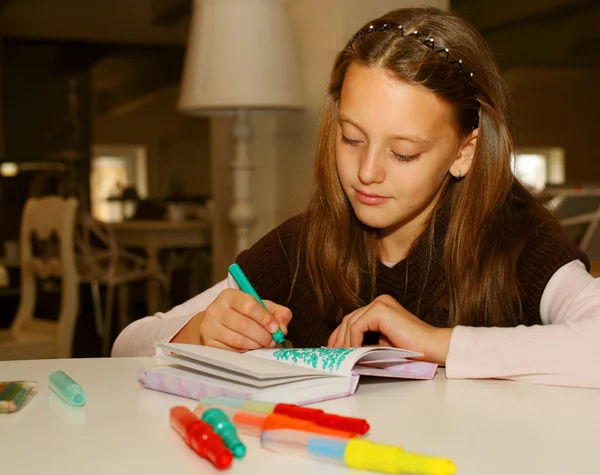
(44, 218)
(99, 256)
(96, 248)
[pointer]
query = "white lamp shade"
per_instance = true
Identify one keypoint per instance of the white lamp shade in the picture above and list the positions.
(239, 56)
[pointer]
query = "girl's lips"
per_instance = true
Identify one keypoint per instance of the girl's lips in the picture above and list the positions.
(369, 199)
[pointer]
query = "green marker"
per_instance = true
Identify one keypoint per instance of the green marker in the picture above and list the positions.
(245, 286)
(221, 424)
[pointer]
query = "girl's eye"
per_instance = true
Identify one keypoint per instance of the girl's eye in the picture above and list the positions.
(348, 141)
(406, 158)
(397, 156)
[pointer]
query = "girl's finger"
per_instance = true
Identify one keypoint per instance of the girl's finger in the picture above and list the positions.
(347, 342)
(238, 341)
(249, 306)
(342, 328)
(282, 314)
(358, 328)
(217, 344)
(341, 331)
(383, 341)
(353, 317)
(332, 338)
(249, 333)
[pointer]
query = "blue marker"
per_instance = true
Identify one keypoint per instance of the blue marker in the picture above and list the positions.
(245, 286)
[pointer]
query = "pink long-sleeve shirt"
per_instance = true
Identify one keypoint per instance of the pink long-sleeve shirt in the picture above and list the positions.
(564, 351)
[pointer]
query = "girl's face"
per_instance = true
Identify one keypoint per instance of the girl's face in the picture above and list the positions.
(395, 146)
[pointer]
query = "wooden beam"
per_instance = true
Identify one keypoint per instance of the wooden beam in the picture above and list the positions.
(151, 80)
(563, 42)
(491, 17)
(3, 5)
(170, 12)
(89, 21)
(129, 100)
(558, 14)
(586, 46)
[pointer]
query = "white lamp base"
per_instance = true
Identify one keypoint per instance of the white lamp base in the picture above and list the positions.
(242, 214)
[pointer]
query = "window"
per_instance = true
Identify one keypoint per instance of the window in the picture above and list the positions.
(114, 168)
(538, 167)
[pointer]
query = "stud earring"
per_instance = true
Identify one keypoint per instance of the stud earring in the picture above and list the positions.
(459, 174)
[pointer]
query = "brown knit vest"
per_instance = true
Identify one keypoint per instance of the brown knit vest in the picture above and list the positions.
(271, 263)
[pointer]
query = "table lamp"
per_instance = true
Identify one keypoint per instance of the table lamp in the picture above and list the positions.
(239, 57)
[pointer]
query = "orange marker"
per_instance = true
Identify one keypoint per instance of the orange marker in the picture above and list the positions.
(252, 423)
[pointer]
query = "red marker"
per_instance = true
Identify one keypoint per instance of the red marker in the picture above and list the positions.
(200, 437)
(323, 419)
(316, 416)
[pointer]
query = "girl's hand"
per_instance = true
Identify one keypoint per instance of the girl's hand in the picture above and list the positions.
(236, 321)
(398, 327)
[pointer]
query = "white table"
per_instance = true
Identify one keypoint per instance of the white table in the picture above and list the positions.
(157, 235)
(485, 427)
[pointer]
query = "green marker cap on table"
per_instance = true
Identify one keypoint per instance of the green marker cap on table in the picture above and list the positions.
(66, 389)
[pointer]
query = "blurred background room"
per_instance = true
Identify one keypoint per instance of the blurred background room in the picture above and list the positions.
(184, 130)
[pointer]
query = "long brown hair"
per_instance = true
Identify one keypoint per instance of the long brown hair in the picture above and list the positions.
(490, 215)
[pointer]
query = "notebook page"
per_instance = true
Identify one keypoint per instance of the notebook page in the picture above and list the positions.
(241, 378)
(238, 362)
(333, 360)
(398, 369)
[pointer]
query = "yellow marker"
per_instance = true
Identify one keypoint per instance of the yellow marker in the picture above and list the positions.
(368, 455)
(355, 453)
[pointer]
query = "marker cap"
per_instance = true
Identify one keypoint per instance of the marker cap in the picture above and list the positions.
(221, 424)
(200, 436)
(66, 389)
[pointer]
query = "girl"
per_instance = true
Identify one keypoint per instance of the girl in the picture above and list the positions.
(417, 235)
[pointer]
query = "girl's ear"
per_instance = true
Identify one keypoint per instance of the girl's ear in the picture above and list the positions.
(462, 163)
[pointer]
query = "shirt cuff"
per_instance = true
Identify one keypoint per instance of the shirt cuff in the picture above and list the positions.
(172, 327)
(139, 337)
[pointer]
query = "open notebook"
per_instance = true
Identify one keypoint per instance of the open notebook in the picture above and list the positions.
(298, 376)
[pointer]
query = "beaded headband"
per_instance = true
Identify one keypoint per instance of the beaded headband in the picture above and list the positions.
(429, 42)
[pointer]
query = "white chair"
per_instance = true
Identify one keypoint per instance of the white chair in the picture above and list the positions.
(31, 337)
(102, 262)
(578, 212)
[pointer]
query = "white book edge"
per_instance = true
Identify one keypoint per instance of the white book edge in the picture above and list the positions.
(260, 364)
(240, 363)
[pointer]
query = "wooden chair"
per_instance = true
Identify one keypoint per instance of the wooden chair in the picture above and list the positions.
(31, 337)
(102, 262)
(4, 281)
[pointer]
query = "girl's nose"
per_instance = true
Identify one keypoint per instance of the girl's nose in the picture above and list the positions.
(371, 168)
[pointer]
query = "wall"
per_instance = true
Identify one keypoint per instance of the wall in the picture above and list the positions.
(568, 119)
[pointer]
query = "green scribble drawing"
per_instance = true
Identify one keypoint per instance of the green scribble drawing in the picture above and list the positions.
(327, 359)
